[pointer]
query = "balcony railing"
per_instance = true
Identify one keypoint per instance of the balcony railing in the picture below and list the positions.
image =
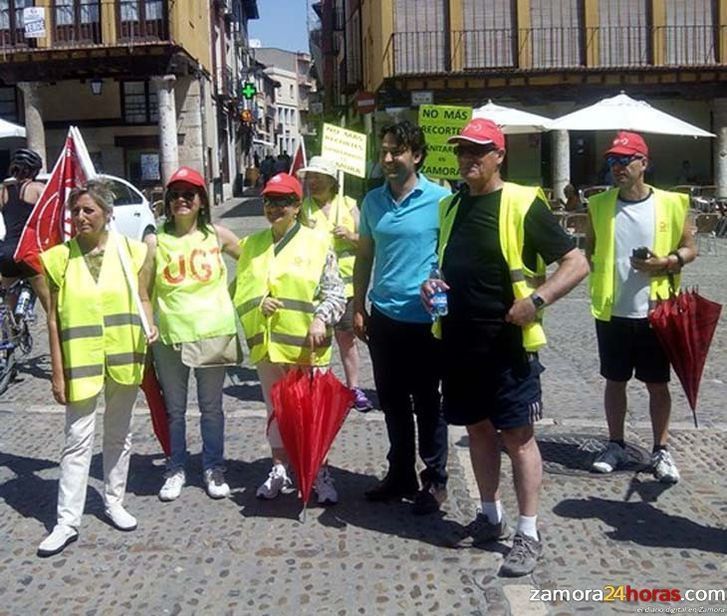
(551, 48)
(79, 23)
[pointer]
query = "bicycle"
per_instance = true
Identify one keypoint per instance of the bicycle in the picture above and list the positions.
(15, 329)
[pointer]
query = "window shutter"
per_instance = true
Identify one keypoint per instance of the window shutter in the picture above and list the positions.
(488, 39)
(690, 32)
(420, 30)
(556, 33)
(623, 34)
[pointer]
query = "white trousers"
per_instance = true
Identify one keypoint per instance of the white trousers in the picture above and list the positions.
(78, 449)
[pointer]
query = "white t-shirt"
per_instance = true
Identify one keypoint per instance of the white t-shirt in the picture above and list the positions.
(634, 228)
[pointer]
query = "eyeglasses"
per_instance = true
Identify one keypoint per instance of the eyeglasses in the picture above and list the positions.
(622, 161)
(188, 195)
(279, 201)
(473, 150)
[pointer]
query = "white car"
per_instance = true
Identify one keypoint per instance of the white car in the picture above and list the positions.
(132, 211)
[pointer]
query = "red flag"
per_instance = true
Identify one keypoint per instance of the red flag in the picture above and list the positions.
(47, 224)
(299, 160)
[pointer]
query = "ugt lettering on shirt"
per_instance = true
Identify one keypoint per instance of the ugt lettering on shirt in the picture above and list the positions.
(198, 265)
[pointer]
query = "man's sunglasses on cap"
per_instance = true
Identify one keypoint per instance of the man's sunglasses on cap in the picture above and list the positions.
(279, 200)
(622, 161)
(472, 149)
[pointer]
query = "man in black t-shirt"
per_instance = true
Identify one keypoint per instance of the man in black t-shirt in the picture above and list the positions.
(495, 239)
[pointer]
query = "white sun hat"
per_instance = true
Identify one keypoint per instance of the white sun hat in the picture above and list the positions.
(318, 164)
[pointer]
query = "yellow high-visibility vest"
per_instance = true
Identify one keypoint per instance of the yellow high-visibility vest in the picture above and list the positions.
(670, 211)
(190, 289)
(100, 327)
(514, 205)
(339, 214)
(293, 277)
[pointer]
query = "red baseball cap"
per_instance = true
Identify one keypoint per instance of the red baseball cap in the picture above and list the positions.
(283, 184)
(482, 132)
(189, 175)
(628, 144)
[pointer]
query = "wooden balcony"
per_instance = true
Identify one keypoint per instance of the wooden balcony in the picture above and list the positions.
(79, 23)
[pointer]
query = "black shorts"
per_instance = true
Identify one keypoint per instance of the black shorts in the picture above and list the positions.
(509, 396)
(9, 268)
(345, 323)
(629, 346)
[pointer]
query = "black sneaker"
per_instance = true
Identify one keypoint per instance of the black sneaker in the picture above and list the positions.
(483, 531)
(523, 556)
(429, 499)
(392, 489)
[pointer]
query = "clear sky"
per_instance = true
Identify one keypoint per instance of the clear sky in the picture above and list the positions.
(282, 24)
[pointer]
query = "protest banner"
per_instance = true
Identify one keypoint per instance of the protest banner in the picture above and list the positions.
(345, 148)
(439, 123)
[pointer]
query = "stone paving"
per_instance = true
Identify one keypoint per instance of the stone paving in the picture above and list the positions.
(244, 556)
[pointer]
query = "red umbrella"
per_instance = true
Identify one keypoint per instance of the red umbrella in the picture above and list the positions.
(684, 325)
(310, 410)
(157, 409)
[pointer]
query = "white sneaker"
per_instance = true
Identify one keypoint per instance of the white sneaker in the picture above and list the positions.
(214, 481)
(120, 518)
(277, 482)
(173, 484)
(665, 470)
(56, 542)
(324, 487)
(610, 458)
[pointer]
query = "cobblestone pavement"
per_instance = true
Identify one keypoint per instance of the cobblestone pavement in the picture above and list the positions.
(244, 556)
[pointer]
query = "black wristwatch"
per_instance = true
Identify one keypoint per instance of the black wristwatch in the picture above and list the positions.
(538, 301)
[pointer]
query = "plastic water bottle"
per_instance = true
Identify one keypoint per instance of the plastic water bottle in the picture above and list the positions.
(23, 303)
(439, 297)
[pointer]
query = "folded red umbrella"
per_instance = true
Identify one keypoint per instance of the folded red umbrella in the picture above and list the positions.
(157, 409)
(684, 325)
(310, 410)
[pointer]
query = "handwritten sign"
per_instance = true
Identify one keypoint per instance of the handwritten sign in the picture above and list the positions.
(346, 148)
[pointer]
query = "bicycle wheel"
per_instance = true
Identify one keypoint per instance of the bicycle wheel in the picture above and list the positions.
(8, 370)
(25, 339)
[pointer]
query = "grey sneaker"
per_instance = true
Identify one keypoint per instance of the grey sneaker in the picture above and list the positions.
(610, 458)
(522, 557)
(483, 531)
(665, 470)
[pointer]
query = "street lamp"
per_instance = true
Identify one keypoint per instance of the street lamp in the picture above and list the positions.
(96, 86)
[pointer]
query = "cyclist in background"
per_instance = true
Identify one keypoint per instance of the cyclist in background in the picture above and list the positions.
(18, 195)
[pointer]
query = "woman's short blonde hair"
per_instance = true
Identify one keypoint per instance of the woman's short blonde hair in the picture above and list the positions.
(99, 190)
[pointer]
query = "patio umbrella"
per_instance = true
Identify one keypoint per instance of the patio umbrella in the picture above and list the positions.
(310, 410)
(8, 129)
(512, 121)
(684, 325)
(625, 113)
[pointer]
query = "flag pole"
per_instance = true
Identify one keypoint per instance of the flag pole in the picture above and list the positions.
(87, 164)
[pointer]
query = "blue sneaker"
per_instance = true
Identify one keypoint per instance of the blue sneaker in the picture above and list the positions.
(360, 401)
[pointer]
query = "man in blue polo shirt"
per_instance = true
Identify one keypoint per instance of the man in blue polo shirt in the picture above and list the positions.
(398, 239)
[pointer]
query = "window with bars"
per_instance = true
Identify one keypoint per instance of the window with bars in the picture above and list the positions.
(690, 31)
(139, 102)
(420, 36)
(489, 38)
(556, 33)
(624, 36)
(11, 21)
(354, 71)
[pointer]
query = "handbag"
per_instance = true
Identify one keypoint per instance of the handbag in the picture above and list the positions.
(217, 351)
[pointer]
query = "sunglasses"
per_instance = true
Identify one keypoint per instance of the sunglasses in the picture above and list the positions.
(473, 150)
(188, 195)
(621, 161)
(279, 201)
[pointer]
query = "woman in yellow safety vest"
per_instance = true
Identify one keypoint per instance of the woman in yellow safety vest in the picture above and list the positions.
(96, 344)
(197, 326)
(327, 210)
(289, 294)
